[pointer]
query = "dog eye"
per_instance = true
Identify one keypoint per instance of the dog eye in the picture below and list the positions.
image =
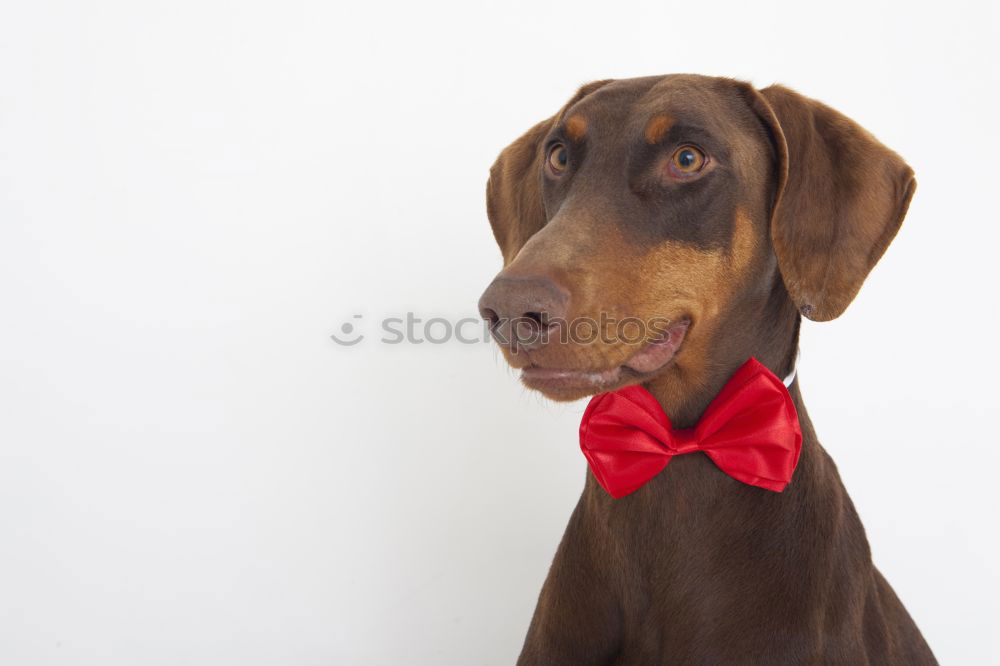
(687, 161)
(558, 158)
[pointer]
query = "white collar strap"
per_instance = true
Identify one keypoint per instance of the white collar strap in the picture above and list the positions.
(787, 381)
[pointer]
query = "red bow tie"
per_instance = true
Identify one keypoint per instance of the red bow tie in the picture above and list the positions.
(750, 431)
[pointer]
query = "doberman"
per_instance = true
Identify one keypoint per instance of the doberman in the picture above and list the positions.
(730, 213)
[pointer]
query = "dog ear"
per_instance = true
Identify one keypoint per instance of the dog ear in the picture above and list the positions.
(513, 191)
(513, 194)
(841, 197)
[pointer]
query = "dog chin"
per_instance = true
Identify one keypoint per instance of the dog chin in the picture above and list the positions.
(564, 385)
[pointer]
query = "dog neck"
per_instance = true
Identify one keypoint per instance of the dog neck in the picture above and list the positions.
(765, 327)
(771, 330)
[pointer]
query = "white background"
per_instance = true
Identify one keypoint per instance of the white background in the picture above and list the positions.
(194, 196)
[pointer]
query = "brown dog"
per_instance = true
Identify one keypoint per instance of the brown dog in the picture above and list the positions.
(728, 212)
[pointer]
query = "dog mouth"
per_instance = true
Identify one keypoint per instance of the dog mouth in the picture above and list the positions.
(649, 360)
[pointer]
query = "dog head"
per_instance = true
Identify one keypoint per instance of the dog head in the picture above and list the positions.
(649, 228)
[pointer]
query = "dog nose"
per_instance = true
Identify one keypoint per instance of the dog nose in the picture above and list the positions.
(519, 310)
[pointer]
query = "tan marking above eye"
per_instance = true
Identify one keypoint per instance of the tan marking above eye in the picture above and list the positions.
(576, 127)
(657, 128)
(558, 158)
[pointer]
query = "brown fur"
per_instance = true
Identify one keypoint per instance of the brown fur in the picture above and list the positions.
(795, 206)
(657, 127)
(576, 127)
